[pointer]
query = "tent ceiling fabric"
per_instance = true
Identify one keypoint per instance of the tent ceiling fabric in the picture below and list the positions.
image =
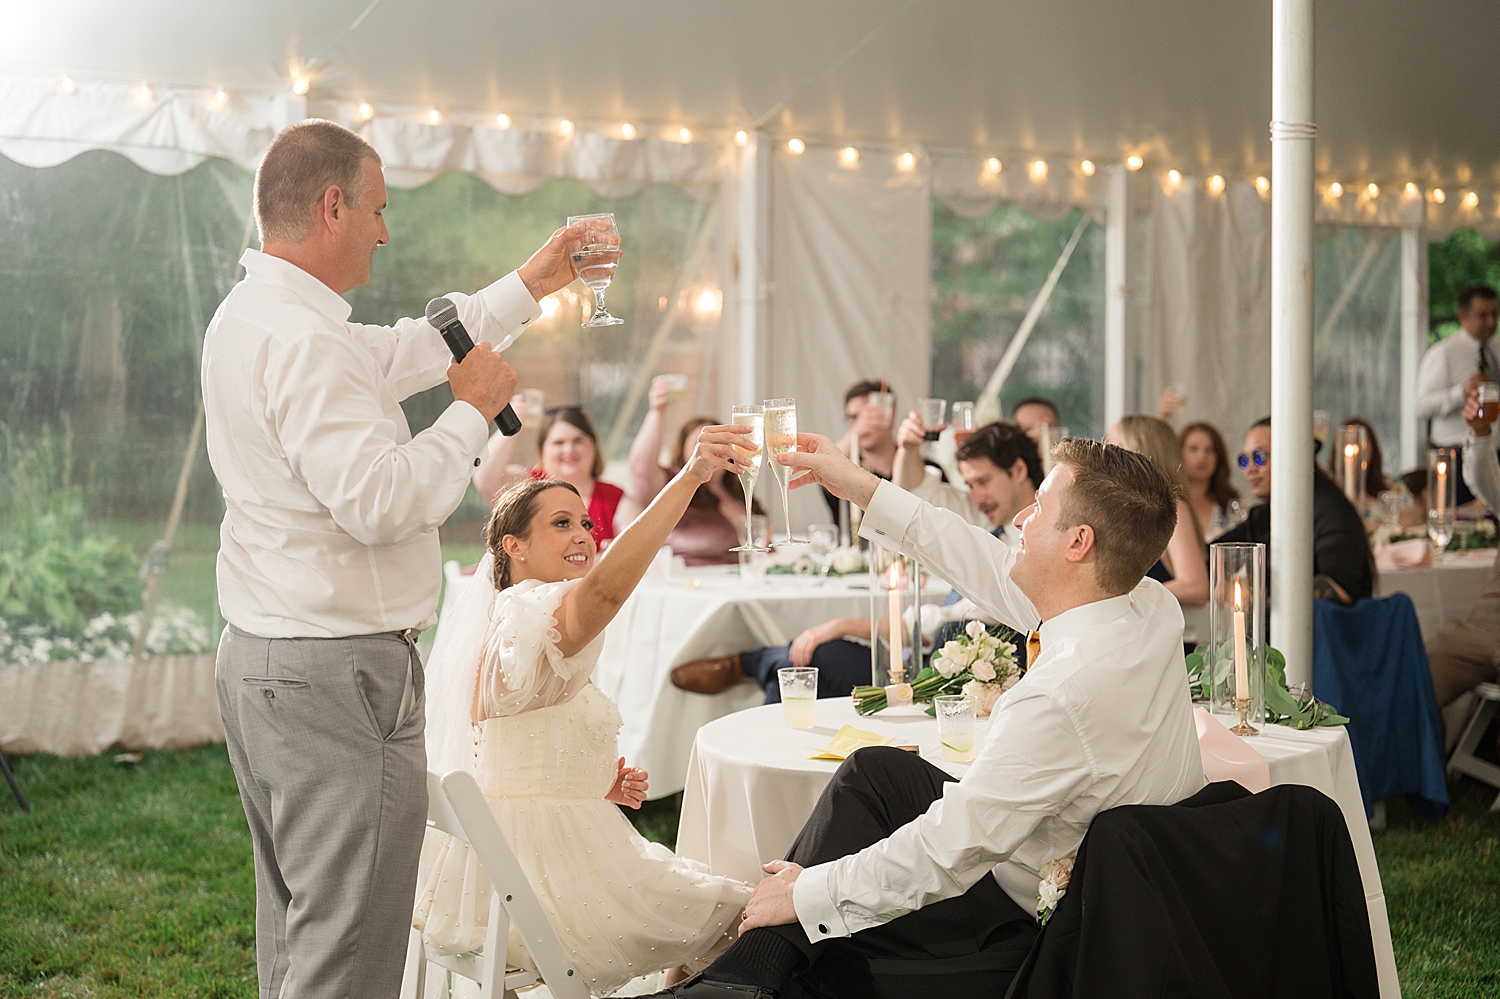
(1400, 91)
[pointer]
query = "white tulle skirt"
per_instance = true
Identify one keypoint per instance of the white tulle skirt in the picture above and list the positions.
(622, 906)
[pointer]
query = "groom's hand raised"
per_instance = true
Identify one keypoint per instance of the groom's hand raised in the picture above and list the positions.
(771, 905)
(819, 462)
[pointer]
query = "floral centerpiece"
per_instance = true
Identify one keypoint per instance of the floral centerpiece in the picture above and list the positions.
(976, 663)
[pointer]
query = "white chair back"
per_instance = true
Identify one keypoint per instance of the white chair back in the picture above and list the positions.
(456, 806)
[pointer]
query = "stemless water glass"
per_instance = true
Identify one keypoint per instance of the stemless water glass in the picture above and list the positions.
(799, 695)
(933, 413)
(886, 403)
(824, 539)
(955, 723)
(961, 419)
(596, 259)
(754, 418)
(1488, 395)
(781, 437)
(535, 401)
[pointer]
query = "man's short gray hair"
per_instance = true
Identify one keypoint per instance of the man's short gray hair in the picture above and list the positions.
(302, 163)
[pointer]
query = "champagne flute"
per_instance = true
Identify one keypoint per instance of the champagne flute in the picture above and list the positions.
(781, 437)
(753, 417)
(595, 261)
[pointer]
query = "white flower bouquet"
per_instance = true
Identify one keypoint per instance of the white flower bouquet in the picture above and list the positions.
(976, 664)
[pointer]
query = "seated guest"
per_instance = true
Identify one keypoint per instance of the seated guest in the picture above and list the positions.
(509, 699)
(1034, 412)
(1465, 652)
(869, 429)
(715, 519)
(569, 451)
(1205, 466)
(905, 881)
(1002, 469)
(1183, 567)
(1343, 568)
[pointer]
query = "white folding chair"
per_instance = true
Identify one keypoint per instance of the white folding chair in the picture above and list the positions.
(456, 806)
(1463, 760)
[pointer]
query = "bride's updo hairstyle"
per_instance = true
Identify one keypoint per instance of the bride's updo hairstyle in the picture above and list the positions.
(512, 515)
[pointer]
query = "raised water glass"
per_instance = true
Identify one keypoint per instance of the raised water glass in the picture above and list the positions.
(596, 259)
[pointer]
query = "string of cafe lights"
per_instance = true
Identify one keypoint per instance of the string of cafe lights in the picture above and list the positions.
(1038, 168)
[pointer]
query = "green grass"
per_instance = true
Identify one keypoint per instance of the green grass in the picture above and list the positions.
(137, 881)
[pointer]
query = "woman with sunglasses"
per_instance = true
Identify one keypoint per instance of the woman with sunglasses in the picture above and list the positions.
(570, 452)
(1343, 569)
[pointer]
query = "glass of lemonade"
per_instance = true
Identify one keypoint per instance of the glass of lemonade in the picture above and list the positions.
(799, 695)
(955, 719)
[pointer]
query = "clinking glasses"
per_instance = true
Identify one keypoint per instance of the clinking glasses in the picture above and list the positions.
(1258, 456)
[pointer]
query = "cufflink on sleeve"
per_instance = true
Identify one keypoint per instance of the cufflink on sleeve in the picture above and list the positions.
(476, 462)
(823, 928)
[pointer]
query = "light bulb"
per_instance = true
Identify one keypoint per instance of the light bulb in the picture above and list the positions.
(220, 98)
(143, 94)
(741, 137)
(433, 117)
(1087, 166)
(1262, 184)
(366, 111)
(1437, 195)
(627, 130)
(1336, 190)
(797, 146)
(906, 162)
(301, 86)
(993, 165)
(1373, 190)
(68, 86)
(1037, 171)
(565, 127)
(502, 119)
(1411, 189)
(848, 157)
(1134, 162)
(708, 303)
(1175, 176)
(1216, 184)
(685, 135)
(1471, 200)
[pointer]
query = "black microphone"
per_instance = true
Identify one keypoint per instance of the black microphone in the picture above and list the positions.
(443, 315)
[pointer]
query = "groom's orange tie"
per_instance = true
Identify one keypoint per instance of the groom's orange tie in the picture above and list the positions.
(1033, 647)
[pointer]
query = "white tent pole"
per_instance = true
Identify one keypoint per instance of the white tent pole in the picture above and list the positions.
(1116, 363)
(1292, 136)
(754, 281)
(1413, 341)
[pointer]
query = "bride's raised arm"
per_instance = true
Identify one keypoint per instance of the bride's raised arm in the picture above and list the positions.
(593, 603)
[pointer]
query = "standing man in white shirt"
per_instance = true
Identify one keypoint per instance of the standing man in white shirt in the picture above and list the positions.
(329, 560)
(907, 882)
(1451, 369)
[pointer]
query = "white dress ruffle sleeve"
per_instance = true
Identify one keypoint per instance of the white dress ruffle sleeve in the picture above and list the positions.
(545, 757)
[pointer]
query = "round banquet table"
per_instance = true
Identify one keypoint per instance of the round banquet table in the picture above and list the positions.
(707, 611)
(750, 787)
(1443, 591)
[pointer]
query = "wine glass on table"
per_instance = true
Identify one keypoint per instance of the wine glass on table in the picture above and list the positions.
(596, 259)
(961, 419)
(781, 437)
(824, 539)
(749, 464)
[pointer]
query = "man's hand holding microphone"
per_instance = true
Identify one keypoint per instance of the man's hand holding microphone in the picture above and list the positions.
(483, 380)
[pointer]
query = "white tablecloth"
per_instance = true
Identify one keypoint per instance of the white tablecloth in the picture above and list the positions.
(1442, 592)
(664, 625)
(750, 787)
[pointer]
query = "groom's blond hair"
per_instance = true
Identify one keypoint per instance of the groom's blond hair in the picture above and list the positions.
(1128, 501)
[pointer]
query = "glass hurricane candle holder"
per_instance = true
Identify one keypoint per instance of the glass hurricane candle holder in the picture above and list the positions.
(1352, 463)
(1442, 496)
(1237, 633)
(893, 595)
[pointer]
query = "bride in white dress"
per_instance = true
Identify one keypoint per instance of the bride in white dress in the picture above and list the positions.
(509, 697)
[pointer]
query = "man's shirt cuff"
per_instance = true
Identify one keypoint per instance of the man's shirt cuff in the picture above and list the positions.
(469, 425)
(891, 511)
(508, 301)
(816, 911)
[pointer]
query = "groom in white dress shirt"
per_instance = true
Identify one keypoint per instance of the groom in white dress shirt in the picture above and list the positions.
(328, 560)
(907, 882)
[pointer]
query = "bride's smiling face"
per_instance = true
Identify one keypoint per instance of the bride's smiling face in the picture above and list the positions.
(560, 546)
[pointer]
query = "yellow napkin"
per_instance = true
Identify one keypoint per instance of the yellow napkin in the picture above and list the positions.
(847, 740)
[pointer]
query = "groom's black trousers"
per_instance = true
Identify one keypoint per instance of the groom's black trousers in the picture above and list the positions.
(969, 945)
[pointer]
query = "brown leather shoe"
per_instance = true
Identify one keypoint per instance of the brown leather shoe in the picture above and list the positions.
(708, 676)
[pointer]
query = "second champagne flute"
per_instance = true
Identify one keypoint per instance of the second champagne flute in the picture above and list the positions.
(781, 437)
(753, 417)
